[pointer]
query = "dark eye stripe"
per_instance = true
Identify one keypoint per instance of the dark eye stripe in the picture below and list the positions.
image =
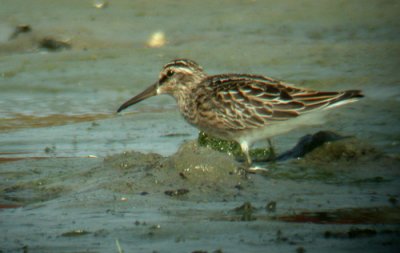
(170, 73)
(162, 79)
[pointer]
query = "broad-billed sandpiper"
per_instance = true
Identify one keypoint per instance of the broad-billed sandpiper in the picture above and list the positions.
(241, 107)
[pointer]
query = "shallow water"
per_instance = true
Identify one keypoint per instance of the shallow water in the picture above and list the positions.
(61, 105)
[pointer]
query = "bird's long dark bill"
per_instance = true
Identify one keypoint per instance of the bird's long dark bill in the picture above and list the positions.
(149, 92)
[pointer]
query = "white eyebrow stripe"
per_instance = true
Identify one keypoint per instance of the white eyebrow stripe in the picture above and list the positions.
(181, 62)
(183, 70)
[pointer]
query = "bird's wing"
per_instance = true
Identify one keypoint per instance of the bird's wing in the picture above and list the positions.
(239, 102)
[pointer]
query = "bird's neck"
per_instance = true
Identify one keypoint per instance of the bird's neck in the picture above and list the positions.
(187, 103)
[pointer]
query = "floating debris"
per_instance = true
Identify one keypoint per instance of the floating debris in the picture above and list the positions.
(271, 206)
(119, 248)
(20, 29)
(182, 175)
(100, 4)
(393, 200)
(157, 40)
(246, 210)
(300, 250)
(280, 237)
(176, 193)
(155, 227)
(73, 233)
(175, 135)
(52, 44)
(352, 233)
(50, 150)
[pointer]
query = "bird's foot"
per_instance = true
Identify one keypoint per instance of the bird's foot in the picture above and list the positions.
(257, 170)
(246, 170)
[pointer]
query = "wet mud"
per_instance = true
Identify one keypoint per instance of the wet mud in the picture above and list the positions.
(77, 177)
(154, 199)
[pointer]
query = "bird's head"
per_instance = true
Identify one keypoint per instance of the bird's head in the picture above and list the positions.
(176, 78)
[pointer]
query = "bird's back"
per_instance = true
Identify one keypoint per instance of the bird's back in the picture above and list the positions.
(240, 102)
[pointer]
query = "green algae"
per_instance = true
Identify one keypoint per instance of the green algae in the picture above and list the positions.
(233, 148)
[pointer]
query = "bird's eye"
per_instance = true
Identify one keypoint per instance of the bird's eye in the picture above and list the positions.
(170, 73)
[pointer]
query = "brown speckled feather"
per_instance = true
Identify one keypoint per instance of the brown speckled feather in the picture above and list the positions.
(242, 101)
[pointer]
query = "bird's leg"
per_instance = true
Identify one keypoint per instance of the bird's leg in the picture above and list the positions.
(245, 149)
(271, 150)
(248, 163)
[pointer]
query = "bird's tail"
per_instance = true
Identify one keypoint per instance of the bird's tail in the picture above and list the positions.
(348, 96)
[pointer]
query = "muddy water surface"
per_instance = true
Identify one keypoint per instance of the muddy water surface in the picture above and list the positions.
(77, 177)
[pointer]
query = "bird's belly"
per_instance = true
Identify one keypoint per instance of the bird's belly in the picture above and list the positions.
(251, 135)
(279, 127)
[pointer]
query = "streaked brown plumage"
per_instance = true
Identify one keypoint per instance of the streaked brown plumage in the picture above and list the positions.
(240, 107)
